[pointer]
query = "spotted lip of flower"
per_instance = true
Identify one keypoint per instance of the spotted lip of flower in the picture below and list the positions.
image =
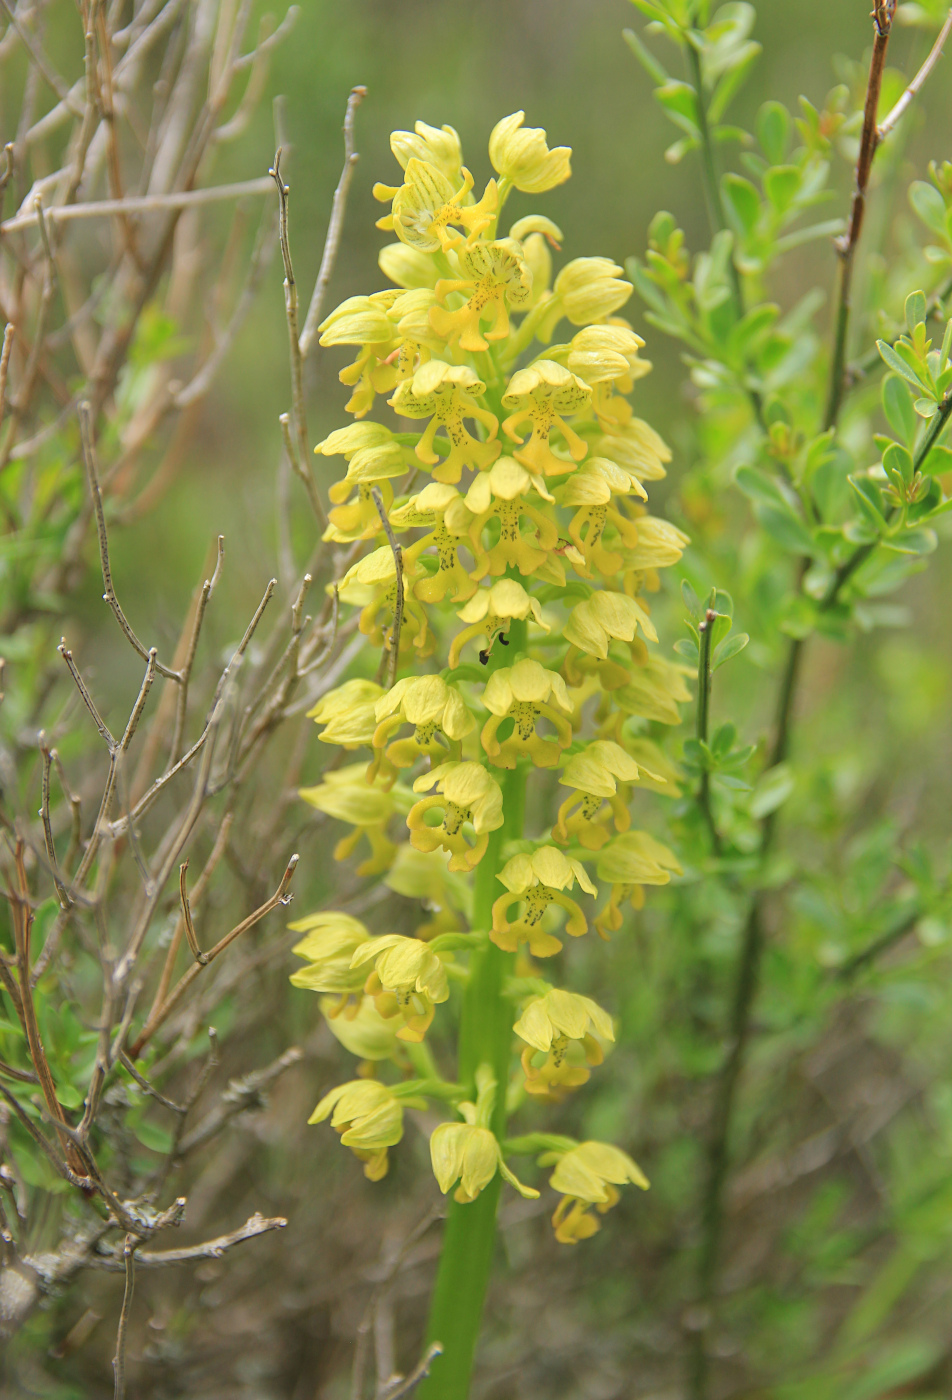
(369, 1119)
(559, 1026)
(537, 881)
(445, 394)
(439, 509)
(330, 941)
(522, 693)
(521, 156)
(591, 490)
(501, 493)
(371, 584)
(497, 278)
(434, 708)
(466, 793)
(407, 981)
(630, 861)
(490, 612)
(587, 1176)
(347, 713)
(426, 206)
(542, 394)
(471, 1155)
(595, 774)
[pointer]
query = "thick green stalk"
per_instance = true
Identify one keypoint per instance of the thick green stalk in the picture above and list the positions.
(485, 1038)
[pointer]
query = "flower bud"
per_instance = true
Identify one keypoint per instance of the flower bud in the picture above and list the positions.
(520, 155)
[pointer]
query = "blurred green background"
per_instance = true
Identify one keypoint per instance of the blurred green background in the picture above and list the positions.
(603, 1322)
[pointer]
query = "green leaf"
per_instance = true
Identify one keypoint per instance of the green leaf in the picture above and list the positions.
(680, 102)
(688, 649)
(894, 362)
(897, 406)
(691, 601)
(729, 648)
(757, 486)
(155, 1138)
(771, 791)
(899, 460)
(930, 206)
(915, 310)
(773, 131)
(742, 200)
(786, 528)
(938, 461)
(781, 185)
(644, 56)
(918, 541)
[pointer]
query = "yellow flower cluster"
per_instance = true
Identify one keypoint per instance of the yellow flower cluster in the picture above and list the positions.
(500, 491)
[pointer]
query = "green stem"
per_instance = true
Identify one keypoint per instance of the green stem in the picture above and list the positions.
(703, 720)
(485, 1038)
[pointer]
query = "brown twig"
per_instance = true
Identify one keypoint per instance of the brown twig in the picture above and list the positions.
(404, 1385)
(280, 896)
(119, 1360)
(92, 476)
(197, 953)
(335, 226)
(302, 470)
(209, 1249)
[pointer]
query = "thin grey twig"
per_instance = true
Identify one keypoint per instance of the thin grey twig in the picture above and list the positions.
(299, 434)
(138, 204)
(211, 1249)
(119, 1360)
(302, 469)
(404, 1385)
(61, 890)
(8, 334)
(148, 1088)
(92, 475)
(335, 226)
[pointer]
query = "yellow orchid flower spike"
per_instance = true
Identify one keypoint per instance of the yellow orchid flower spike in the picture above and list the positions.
(467, 795)
(525, 693)
(508, 463)
(537, 881)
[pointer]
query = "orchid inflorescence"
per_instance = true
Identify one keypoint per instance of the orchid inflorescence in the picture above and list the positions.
(519, 626)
